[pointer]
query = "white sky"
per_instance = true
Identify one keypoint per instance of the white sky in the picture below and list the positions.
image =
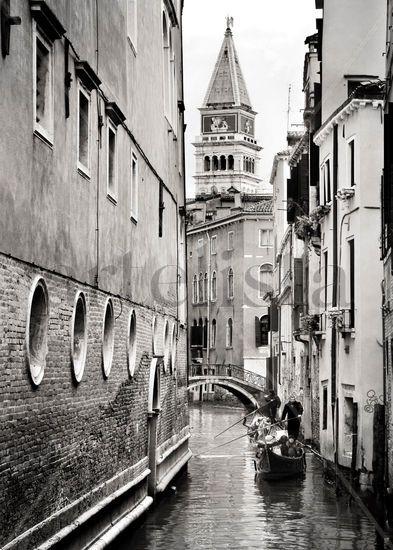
(269, 37)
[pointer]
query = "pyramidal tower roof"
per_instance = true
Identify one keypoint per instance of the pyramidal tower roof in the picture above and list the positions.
(227, 87)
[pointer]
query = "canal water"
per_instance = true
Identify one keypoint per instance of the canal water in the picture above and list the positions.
(219, 503)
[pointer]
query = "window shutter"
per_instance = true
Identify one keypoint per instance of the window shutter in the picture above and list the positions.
(196, 336)
(298, 290)
(257, 332)
(205, 336)
(273, 316)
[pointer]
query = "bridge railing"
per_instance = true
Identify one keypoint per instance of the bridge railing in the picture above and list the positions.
(233, 371)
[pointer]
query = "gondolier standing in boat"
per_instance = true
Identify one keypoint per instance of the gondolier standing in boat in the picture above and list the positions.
(293, 411)
(273, 403)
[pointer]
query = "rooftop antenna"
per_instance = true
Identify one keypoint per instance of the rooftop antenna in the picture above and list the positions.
(289, 106)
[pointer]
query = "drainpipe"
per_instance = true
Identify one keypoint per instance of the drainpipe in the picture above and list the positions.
(209, 266)
(334, 397)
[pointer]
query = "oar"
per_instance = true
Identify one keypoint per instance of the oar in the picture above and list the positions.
(243, 418)
(231, 441)
(237, 422)
(236, 438)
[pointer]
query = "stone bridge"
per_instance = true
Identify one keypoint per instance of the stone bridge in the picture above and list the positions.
(247, 386)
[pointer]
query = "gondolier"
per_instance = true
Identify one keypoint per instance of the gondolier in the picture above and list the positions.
(293, 411)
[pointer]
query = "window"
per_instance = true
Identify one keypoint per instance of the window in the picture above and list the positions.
(351, 162)
(207, 164)
(200, 248)
(215, 163)
(265, 237)
(37, 330)
(230, 283)
(325, 269)
(264, 327)
(213, 335)
(229, 333)
(79, 336)
(132, 344)
(230, 240)
(108, 338)
(205, 333)
(166, 65)
(327, 193)
(43, 86)
(324, 407)
(112, 161)
(351, 244)
(223, 162)
(195, 290)
(230, 162)
(213, 245)
(134, 187)
(132, 23)
(200, 288)
(214, 287)
(84, 130)
(206, 288)
(265, 279)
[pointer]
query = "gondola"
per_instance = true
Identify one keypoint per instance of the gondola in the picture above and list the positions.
(270, 465)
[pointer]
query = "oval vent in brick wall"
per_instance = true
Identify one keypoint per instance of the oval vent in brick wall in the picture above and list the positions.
(167, 355)
(79, 336)
(132, 344)
(108, 338)
(173, 348)
(37, 330)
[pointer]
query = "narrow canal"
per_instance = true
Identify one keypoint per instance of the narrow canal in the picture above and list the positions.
(219, 504)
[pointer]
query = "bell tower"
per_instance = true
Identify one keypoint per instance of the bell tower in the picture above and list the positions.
(226, 151)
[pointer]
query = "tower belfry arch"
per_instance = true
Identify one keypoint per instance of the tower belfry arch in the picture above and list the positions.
(227, 151)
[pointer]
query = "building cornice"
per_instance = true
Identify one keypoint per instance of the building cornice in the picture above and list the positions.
(346, 110)
(238, 217)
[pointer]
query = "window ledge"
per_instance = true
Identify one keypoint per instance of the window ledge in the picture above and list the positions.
(43, 137)
(82, 171)
(228, 347)
(111, 199)
(134, 219)
(130, 43)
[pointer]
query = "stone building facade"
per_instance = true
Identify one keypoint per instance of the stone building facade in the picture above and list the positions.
(93, 335)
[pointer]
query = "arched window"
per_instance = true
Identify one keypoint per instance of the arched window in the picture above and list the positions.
(229, 333)
(215, 163)
(244, 164)
(207, 164)
(230, 283)
(154, 346)
(214, 287)
(247, 164)
(265, 279)
(230, 162)
(253, 166)
(195, 289)
(200, 288)
(173, 349)
(213, 334)
(205, 287)
(223, 162)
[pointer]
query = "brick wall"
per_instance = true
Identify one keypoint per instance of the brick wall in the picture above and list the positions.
(61, 439)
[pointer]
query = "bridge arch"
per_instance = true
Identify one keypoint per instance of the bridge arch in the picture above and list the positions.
(236, 389)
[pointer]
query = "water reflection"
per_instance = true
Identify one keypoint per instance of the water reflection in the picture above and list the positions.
(221, 504)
